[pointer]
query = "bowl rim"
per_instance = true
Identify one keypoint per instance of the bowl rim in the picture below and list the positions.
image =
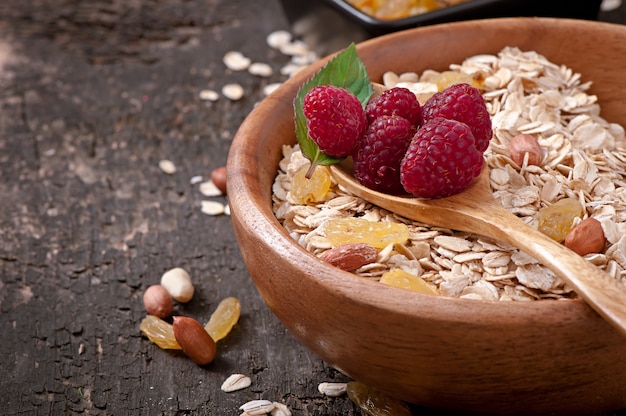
(346, 284)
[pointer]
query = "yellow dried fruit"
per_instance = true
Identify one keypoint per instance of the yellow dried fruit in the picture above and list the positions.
(357, 230)
(556, 220)
(447, 78)
(315, 189)
(224, 318)
(404, 280)
(159, 332)
(375, 403)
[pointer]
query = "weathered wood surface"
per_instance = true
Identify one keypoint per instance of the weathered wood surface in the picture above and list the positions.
(92, 95)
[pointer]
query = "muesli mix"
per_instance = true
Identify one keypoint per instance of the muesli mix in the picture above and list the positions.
(582, 159)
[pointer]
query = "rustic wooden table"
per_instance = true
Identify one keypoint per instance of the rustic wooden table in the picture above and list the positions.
(93, 94)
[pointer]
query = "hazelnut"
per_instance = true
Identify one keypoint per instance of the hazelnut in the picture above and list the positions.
(218, 176)
(523, 144)
(158, 301)
(178, 284)
(586, 237)
(194, 340)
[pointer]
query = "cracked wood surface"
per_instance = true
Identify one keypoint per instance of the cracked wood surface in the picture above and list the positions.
(92, 95)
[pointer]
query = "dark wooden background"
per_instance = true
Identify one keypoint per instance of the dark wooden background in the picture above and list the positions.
(93, 94)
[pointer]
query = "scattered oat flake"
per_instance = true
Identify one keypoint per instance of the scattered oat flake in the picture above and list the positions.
(236, 61)
(167, 166)
(236, 382)
(208, 188)
(261, 69)
(209, 95)
(278, 39)
(332, 389)
(270, 88)
(212, 208)
(226, 209)
(257, 407)
(195, 179)
(233, 91)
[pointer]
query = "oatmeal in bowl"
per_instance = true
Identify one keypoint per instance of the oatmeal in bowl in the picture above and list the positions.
(487, 315)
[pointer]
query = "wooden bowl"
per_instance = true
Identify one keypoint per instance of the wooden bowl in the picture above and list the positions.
(543, 357)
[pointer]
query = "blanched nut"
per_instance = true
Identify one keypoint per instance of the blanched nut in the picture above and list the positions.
(178, 284)
(522, 144)
(585, 238)
(158, 301)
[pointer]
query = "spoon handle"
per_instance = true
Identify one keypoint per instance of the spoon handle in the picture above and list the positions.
(605, 294)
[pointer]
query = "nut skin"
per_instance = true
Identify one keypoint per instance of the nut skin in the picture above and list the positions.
(194, 340)
(158, 301)
(522, 144)
(350, 257)
(585, 238)
(178, 284)
(218, 176)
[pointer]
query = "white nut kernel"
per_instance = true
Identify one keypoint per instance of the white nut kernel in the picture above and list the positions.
(178, 284)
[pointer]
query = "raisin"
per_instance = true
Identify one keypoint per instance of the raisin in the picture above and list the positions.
(375, 403)
(405, 280)
(224, 318)
(556, 220)
(159, 332)
(357, 230)
(315, 189)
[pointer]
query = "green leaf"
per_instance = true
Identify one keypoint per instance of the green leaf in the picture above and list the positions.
(345, 70)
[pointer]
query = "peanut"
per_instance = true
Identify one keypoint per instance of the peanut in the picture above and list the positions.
(218, 176)
(586, 237)
(158, 301)
(350, 257)
(525, 144)
(194, 340)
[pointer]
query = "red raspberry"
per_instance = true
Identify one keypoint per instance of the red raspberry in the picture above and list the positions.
(395, 101)
(378, 153)
(463, 103)
(442, 159)
(335, 119)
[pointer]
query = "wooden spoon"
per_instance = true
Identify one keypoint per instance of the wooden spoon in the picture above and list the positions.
(476, 210)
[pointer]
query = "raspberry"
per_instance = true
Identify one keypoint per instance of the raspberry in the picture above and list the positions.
(335, 119)
(441, 160)
(378, 153)
(463, 103)
(395, 101)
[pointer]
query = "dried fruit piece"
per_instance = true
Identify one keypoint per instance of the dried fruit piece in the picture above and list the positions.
(194, 340)
(377, 155)
(224, 318)
(556, 220)
(335, 119)
(314, 189)
(463, 103)
(357, 230)
(397, 101)
(158, 301)
(374, 402)
(448, 78)
(523, 144)
(587, 237)
(350, 257)
(159, 332)
(404, 280)
(442, 159)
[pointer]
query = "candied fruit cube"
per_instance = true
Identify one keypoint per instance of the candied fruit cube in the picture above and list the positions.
(556, 220)
(314, 189)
